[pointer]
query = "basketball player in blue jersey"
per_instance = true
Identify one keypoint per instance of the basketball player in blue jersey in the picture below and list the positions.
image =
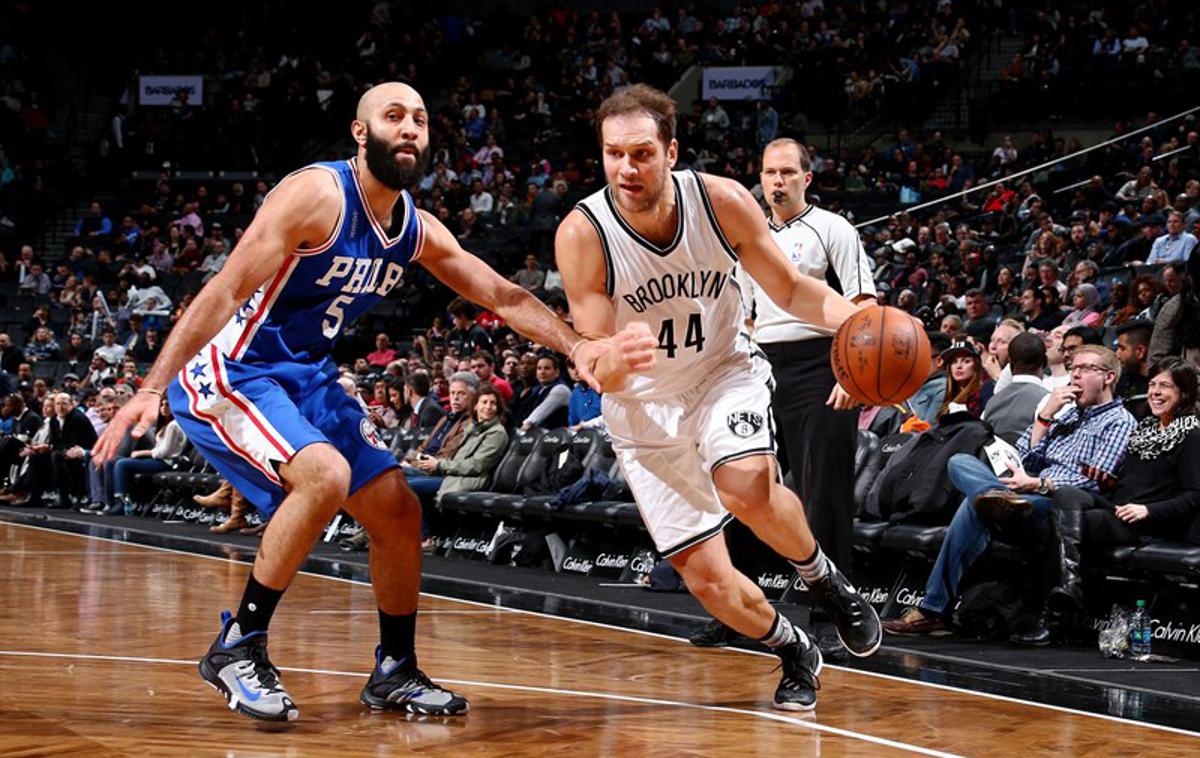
(249, 375)
(693, 433)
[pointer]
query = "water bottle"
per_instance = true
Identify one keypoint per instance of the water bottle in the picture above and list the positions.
(129, 511)
(1139, 633)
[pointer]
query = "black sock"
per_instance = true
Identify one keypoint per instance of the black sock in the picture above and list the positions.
(254, 614)
(397, 636)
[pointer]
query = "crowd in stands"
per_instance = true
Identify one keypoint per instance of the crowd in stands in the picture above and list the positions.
(29, 176)
(1083, 273)
(1070, 50)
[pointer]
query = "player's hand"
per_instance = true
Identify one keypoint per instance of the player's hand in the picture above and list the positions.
(841, 400)
(631, 350)
(141, 412)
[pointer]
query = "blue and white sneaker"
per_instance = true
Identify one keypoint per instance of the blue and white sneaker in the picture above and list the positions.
(241, 671)
(400, 686)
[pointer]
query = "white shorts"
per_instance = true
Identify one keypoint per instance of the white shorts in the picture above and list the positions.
(668, 449)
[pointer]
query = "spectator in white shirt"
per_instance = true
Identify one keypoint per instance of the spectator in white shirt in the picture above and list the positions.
(109, 350)
(1006, 153)
(1175, 245)
(481, 200)
(213, 262)
(1135, 45)
(149, 299)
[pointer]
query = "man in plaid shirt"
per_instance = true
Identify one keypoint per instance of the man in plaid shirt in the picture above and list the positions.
(1080, 432)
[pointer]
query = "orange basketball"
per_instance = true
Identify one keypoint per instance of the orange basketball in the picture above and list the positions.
(881, 355)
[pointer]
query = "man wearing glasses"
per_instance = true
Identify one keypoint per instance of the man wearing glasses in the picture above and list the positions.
(1078, 438)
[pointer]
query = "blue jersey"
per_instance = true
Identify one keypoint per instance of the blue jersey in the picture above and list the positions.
(298, 315)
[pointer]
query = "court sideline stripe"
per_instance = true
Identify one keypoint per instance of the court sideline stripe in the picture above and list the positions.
(768, 715)
(875, 674)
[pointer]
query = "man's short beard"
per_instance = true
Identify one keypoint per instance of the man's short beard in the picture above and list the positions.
(381, 161)
(642, 204)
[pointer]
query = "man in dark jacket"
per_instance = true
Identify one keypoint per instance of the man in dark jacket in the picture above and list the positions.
(71, 436)
(24, 423)
(426, 410)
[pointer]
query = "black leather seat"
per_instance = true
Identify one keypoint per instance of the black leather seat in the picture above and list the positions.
(868, 534)
(1167, 558)
(868, 462)
(914, 538)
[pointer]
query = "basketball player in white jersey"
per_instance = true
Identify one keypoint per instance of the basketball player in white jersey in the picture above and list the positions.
(694, 434)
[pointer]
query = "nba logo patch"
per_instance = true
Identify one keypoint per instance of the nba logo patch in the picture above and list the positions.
(371, 435)
(744, 423)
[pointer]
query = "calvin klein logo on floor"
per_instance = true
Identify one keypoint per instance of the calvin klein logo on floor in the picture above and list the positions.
(641, 564)
(581, 566)
(607, 561)
(773, 581)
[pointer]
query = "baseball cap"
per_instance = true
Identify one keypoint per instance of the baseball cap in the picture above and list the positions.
(957, 348)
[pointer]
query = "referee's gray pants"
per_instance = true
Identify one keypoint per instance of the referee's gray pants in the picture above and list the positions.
(816, 443)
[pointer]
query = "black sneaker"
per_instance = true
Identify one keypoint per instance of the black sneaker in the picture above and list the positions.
(713, 634)
(242, 673)
(801, 663)
(854, 618)
(400, 686)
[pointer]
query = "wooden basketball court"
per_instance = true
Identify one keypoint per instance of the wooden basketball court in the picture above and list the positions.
(98, 643)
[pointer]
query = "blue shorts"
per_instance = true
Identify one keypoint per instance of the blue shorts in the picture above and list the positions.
(248, 419)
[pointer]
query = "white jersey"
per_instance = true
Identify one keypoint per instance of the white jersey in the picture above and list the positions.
(822, 245)
(686, 291)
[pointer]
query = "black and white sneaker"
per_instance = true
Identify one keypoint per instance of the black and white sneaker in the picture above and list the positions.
(242, 673)
(400, 686)
(854, 618)
(801, 662)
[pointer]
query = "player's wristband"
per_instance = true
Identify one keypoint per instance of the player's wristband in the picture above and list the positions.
(151, 391)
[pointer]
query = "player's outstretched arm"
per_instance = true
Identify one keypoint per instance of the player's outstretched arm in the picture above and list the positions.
(805, 297)
(301, 210)
(580, 260)
(479, 283)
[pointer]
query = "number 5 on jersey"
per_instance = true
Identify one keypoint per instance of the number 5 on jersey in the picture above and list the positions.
(693, 338)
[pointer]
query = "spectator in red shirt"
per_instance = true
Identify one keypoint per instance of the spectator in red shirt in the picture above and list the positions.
(484, 366)
(384, 353)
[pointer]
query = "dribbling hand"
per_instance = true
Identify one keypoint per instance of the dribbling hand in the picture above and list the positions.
(631, 350)
(141, 412)
(841, 400)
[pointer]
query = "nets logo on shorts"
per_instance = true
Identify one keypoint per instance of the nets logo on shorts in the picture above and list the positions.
(744, 423)
(370, 434)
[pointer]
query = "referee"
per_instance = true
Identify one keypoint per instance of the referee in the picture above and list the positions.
(818, 427)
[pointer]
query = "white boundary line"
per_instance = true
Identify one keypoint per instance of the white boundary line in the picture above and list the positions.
(877, 675)
(768, 715)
